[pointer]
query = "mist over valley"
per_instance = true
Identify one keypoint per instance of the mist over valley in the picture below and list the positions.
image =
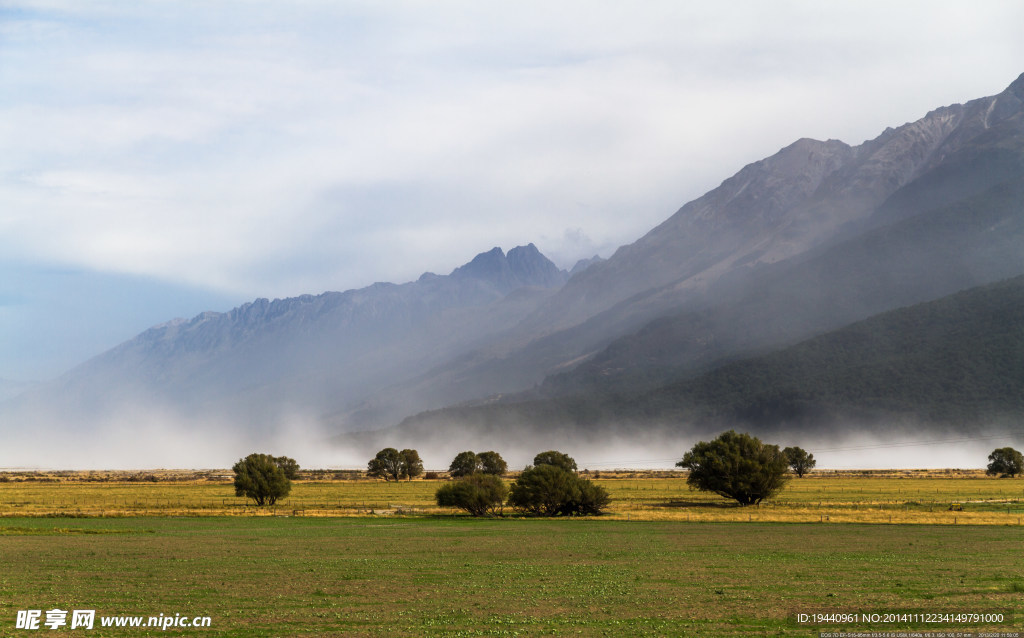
(867, 301)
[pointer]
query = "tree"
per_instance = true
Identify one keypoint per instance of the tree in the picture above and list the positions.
(799, 460)
(550, 490)
(1006, 462)
(492, 463)
(259, 477)
(736, 466)
(591, 499)
(386, 465)
(464, 464)
(556, 458)
(412, 465)
(476, 493)
(288, 466)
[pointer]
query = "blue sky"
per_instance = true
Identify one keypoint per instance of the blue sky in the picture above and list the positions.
(158, 159)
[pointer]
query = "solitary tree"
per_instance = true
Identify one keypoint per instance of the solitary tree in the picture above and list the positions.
(259, 477)
(476, 493)
(492, 463)
(556, 458)
(736, 466)
(1006, 462)
(386, 465)
(550, 490)
(799, 460)
(412, 465)
(464, 464)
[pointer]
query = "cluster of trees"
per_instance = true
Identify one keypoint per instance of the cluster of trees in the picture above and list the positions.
(467, 463)
(392, 464)
(742, 468)
(549, 487)
(735, 465)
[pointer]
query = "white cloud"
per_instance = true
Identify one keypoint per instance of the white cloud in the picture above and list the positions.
(269, 149)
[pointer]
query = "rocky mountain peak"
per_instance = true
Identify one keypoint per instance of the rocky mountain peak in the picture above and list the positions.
(522, 266)
(1017, 87)
(488, 265)
(1010, 103)
(583, 264)
(534, 269)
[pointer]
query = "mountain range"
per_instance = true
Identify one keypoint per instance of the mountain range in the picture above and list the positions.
(797, 246)
(267, 361)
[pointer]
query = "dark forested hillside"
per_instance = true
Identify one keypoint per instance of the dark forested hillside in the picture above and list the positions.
(957, 361)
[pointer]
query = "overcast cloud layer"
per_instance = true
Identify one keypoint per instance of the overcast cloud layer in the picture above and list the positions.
(159, 159)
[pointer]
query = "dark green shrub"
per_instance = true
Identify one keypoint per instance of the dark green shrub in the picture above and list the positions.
(477, 493)
(550, 490)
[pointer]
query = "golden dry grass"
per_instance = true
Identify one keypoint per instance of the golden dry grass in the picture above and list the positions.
(897, 497)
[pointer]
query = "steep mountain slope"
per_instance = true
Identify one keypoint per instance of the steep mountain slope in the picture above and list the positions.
(802, 196)
(956, 362)
(267, 361)
(770, 218)
(977, 240)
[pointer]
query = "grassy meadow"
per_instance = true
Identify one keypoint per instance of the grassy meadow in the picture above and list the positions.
(342, 557)
(864, 497)
(445, 576)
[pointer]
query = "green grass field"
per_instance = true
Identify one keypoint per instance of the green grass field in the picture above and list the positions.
(665, 562)
(438, 576)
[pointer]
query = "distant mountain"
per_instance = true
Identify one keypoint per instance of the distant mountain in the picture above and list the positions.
(583, 264)
(523, 266)
(954, 363)
(816, 237)
(265, 362)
